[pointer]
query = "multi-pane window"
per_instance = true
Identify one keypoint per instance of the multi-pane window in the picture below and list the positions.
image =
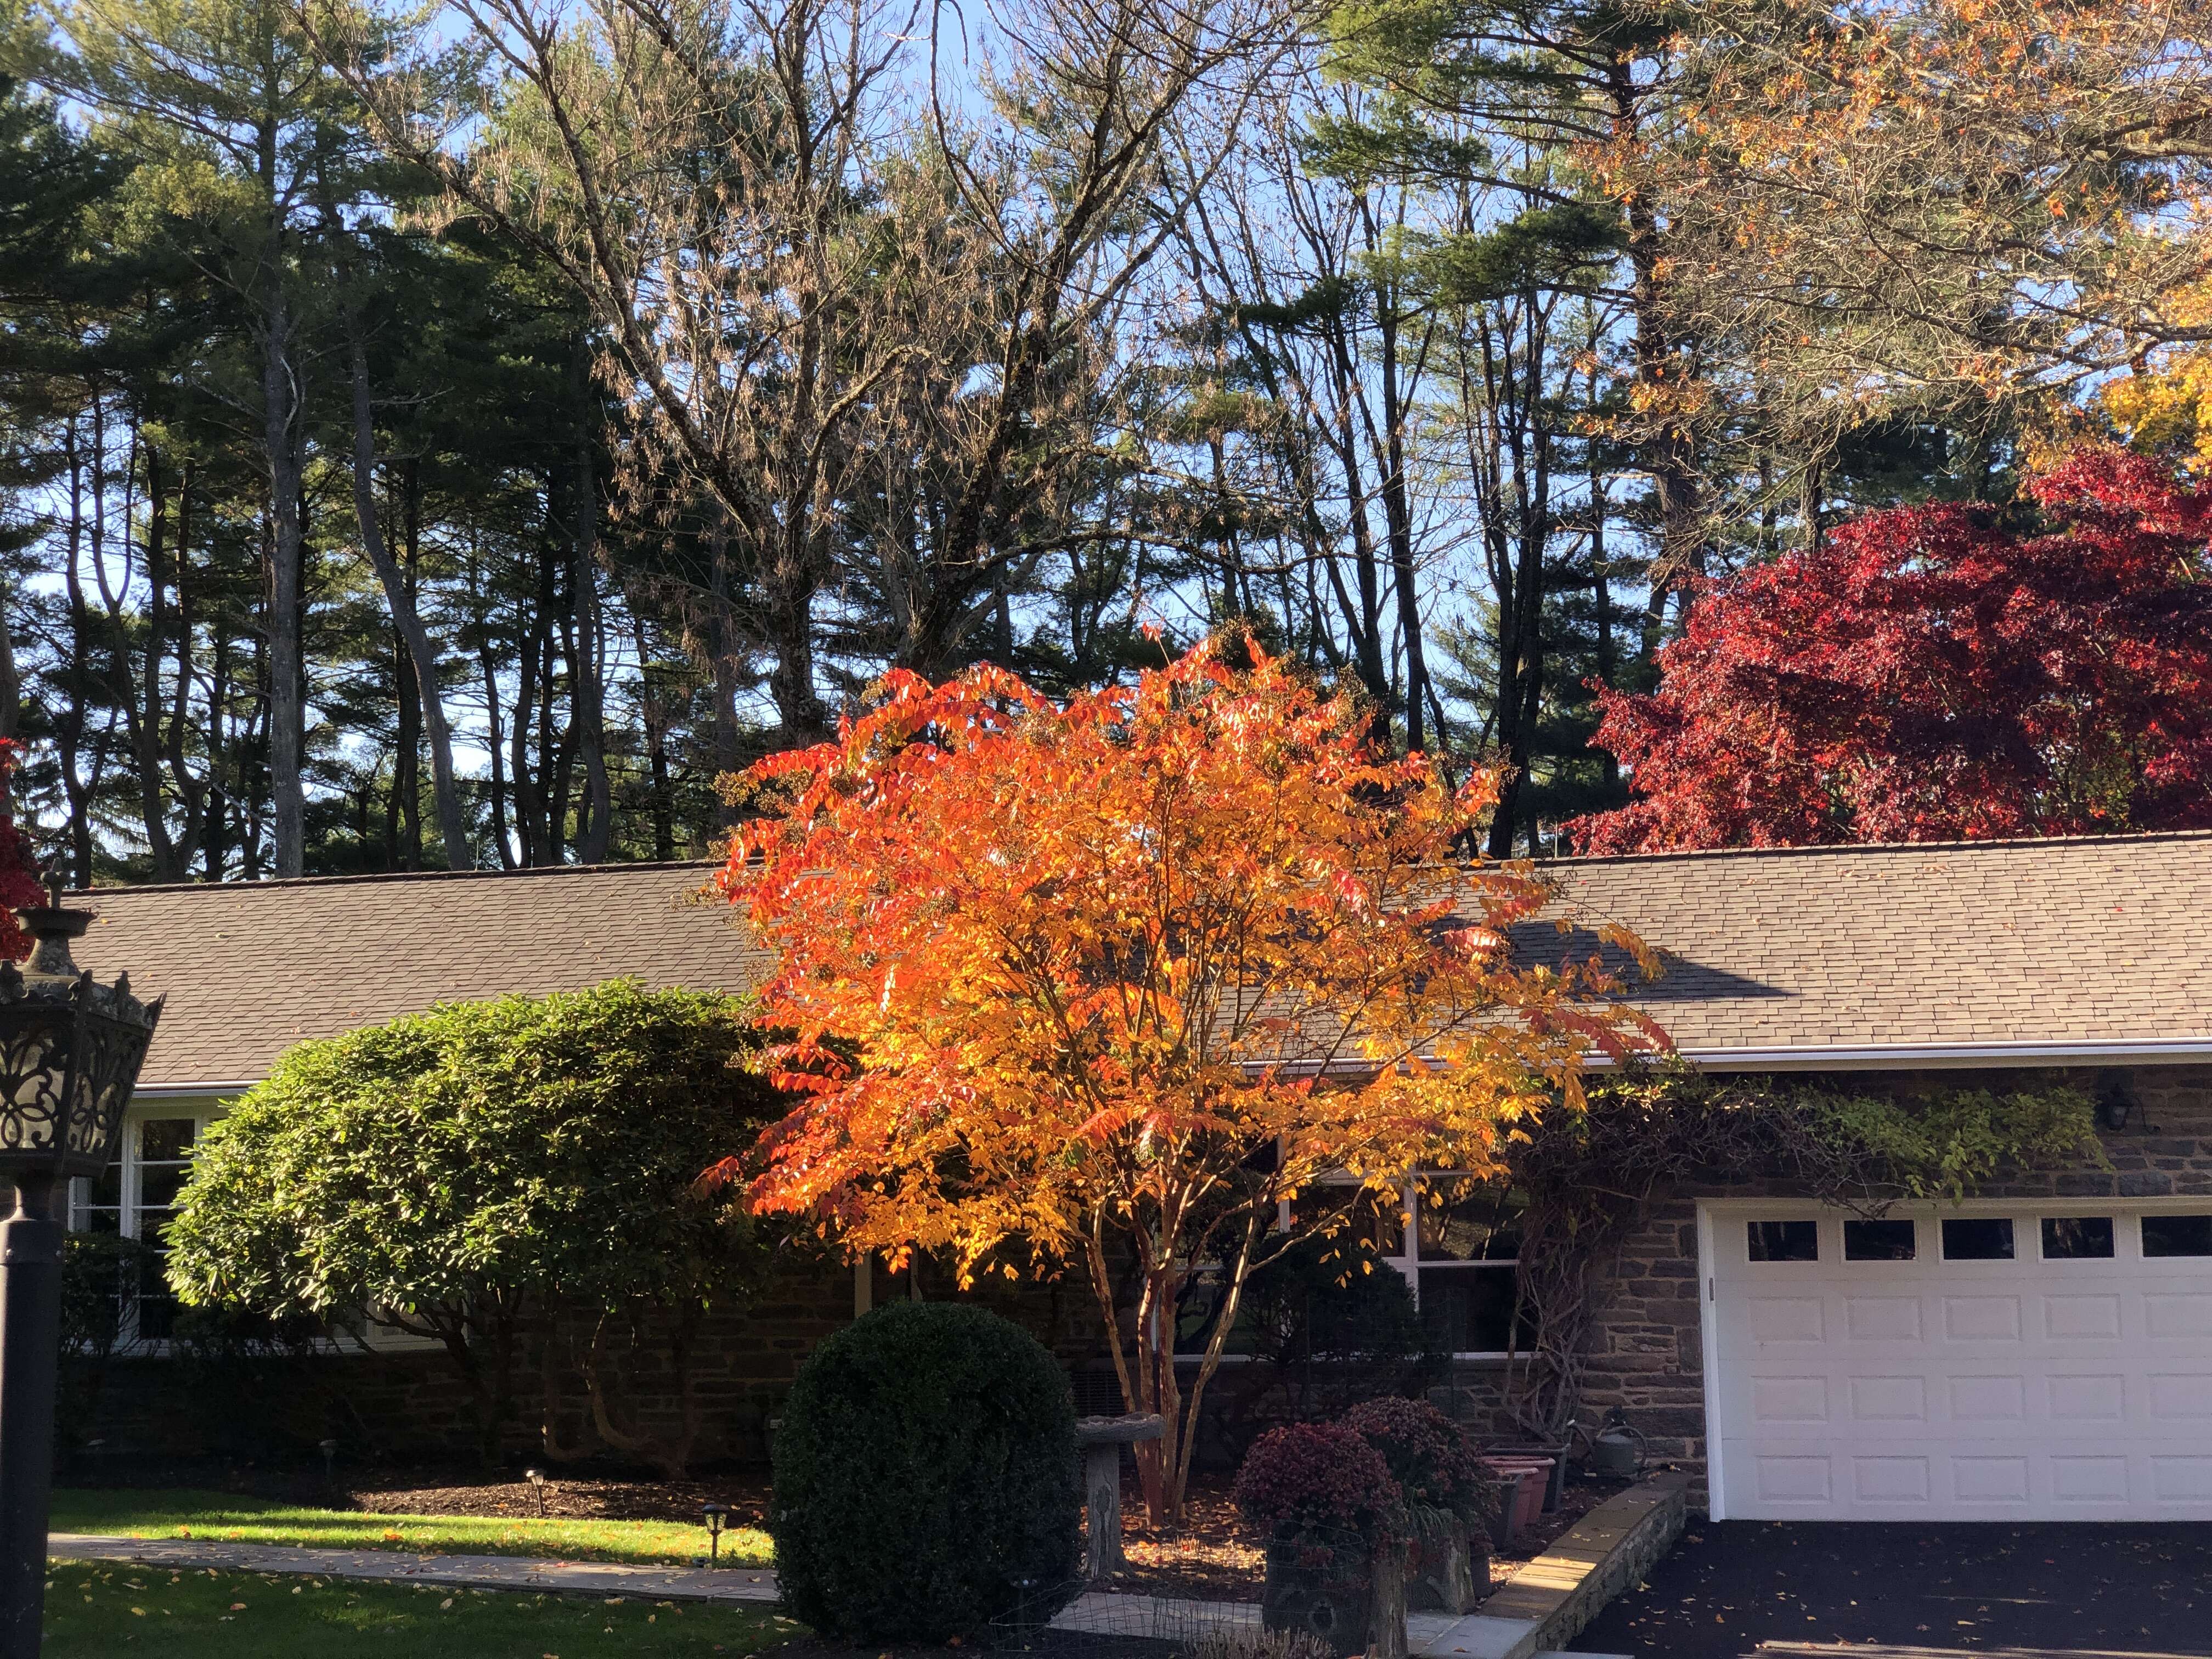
(1466, 1247)
(134, 1196)
(1458, 1256)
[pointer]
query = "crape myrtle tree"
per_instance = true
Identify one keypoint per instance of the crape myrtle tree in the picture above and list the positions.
(458, 1173)
(1938, 673)
(1101, 985)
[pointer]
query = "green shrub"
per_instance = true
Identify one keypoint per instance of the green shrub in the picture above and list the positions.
(925, 1477)
(1321, 1299)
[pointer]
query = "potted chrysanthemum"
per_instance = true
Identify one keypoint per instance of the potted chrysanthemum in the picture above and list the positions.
(1445, 1497)
(1336, 1537)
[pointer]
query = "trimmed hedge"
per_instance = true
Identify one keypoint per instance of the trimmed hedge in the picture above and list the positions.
(924, 1470)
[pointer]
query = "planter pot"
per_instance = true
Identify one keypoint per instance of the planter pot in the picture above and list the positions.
(1332, 1586)
(1555, 1484)
(1446, 1573)
(1533, 1476)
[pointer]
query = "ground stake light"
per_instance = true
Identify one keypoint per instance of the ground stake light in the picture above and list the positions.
(69, 1054)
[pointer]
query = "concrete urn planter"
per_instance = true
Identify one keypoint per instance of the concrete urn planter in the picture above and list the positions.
(1447, 1569)
(1339, 1589)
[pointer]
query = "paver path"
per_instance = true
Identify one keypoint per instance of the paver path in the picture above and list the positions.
(1159, 1618)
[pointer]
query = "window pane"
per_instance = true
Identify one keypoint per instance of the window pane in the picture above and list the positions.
(1977, 1238)
(2077, 1237)
(1880, 1241)
(2177, 1235)
(106, 1188)
(1197, 1311)
(1469, 1309)
(1463, 1220)
(159, 1184)
(162, 1138)
(1786, 1241)
(1353, 1215)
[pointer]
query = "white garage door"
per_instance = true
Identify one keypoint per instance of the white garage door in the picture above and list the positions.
(1984, 1363)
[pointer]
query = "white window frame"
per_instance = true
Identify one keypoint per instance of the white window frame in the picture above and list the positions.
(1406, 1263)
(204, 1110)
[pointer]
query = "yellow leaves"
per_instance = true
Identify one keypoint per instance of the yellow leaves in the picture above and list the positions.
(2166, 410)
(1067, 970)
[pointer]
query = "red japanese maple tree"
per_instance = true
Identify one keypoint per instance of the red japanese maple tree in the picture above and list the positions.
(19, 866)
(1931, 674)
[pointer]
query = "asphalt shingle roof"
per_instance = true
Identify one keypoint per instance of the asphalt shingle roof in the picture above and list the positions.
(1795, 951)
(250, 968)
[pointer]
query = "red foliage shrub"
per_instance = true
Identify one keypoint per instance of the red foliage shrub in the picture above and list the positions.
(1318, 1475)
(1428, 1455)
(19, 867)
(1930, 674)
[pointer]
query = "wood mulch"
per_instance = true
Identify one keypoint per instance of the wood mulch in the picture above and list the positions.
(580, 1497)
(1215, 1557)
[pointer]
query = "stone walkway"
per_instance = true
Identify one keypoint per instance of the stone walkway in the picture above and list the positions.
(1154, 1617)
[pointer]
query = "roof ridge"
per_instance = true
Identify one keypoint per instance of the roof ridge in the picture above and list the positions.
(385, 877)
(2136, 837)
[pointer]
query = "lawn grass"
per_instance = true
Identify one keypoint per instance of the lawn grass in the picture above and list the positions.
(96, 1610)
(225, 1517)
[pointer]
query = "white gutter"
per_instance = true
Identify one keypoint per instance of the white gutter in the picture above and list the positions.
(1789, 1057)
(1903, 1055)
(1897, 1056)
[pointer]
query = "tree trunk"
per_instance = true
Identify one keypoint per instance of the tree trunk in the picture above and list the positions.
(287, 712)
(587, 692)
(422, 656)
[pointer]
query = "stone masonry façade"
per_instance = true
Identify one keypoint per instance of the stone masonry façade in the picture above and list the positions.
(1645, 1349)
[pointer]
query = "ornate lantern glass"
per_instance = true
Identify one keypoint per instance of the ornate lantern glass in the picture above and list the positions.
(70, 1049)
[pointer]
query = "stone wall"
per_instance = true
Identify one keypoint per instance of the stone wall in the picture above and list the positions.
(1646, 1355)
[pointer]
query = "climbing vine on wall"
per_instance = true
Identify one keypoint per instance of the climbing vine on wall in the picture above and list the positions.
(1587, 1176)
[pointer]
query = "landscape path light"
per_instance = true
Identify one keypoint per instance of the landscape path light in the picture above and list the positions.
(69, 1053)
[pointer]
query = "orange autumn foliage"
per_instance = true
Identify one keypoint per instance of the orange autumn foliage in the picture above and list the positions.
(1053, 980)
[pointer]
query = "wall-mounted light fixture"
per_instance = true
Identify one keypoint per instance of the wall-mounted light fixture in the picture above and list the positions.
(2116, 1100)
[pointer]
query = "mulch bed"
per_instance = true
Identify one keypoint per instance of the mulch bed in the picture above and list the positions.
(580, 1497)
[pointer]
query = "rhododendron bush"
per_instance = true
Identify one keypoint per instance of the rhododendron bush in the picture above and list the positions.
(1099, 986)
(1932, 673)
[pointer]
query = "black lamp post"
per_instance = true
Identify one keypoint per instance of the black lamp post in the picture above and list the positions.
(69, 1054)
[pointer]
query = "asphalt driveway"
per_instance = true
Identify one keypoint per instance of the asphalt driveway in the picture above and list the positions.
(1741, 1588)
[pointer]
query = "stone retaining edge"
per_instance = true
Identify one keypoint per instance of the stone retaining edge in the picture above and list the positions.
(1605, 1553)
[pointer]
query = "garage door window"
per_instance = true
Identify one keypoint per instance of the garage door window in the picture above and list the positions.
(1784, 1240)
(1977, 1238)
(2077, 1238)
(2177, 1235)
(1880, 1241)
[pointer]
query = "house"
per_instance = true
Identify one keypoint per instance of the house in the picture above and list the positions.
(2043, 1351)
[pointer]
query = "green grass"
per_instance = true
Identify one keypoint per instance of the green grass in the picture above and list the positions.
(225, 1518)
(97, 1610)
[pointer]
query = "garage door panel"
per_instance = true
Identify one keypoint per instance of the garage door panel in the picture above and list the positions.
(1994, 1389)
(2183, 1397)
(2081, 1318)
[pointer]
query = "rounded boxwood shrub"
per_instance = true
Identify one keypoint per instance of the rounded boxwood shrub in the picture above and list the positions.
(925, 1478)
